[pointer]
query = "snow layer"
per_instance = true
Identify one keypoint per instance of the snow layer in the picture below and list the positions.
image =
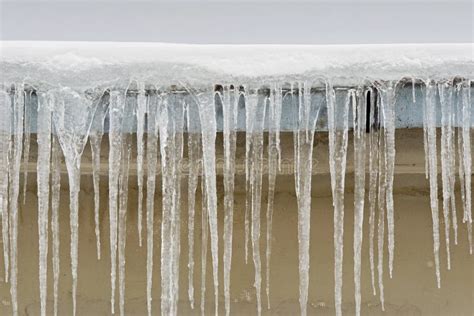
(91, 64)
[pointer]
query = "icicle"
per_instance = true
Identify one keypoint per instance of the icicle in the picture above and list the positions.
(229, 106)
(55, 195)
(171, 148)
(122, 218)
(425, 141)
(255, 112)
(338, 130)
(359, 120)
(204, 242)
(141, 111)
(304, 138)
(194, 159)
(18, 110)
(97, 131)
(382, 187)
(72, 119)
(43, 170)
(26, 144)
(274, 115)
(373, 167)
(151, 158)
(430, 124)
(207, 114)
(447, 157)
(388, 97)
(5, 149)
(117, 104)
(248, 196)
(466, 150)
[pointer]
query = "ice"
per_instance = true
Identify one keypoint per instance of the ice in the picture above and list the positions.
(274, 158)
(55, 196)
(207, 114)
(388, 99)
(255, 112)
(43, 171)
(338, 112)
(72, 118)
(122, 218)
(171, 122)
(96, 133)
(204, 242)
(381, 195)
(152, 159)
(141, 112)
(26, 143)
(359, 124)
(447, 158)
(466, 149)
(304, 138)
(373, 178)
(14, 178)
(116, 110)
(194, 159)
(5, 149)
(430, 124)
(229, 105)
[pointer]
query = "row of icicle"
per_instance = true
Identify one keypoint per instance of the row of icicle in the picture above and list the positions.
(66, 120)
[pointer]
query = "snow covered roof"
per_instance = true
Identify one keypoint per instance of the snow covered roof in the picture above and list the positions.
(92, 64)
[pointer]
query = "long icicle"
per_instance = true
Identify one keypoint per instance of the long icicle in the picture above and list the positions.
(26, 143)
(388, 98)
(152, 159)
(122, 218)
(117, 103)
(445, 95)
(5, 151)
(18, 110)
(373, 169)
(194, 163)
(274, 156)
(430, 123)
(204, 242)
(255, 109)
(97, 131)
(43, 170)
(141, 112)
(248, 196)
(229, 106)
(72, 119)
(338, 130)
(359, 126)
(55, 196)
(304, 139)
(207, 113)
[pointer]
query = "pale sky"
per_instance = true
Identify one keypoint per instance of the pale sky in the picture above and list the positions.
(242, 22)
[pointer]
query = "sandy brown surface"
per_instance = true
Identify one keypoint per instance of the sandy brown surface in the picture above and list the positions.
(412, 291)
